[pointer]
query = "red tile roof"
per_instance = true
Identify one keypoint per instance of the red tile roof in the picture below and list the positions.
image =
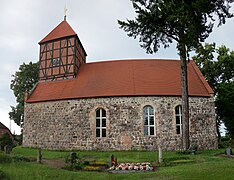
(62, 30)
(124, 78)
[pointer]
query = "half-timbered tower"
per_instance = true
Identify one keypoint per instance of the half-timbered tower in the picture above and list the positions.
(113, 105)
(61, 54)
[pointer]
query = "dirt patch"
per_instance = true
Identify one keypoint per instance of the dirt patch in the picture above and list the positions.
(224, 155)
(55, 163)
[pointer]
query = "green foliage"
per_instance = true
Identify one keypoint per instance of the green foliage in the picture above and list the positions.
(3, 175)
(74, 161)
(225, 105)
(226, 142)
(5, 158)
(20, 158)
(18, 139)
(186, 22)
(220, 75)
(24, 80)
(5, 140)
(216, 70)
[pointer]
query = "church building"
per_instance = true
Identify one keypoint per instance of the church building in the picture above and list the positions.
(112, 105)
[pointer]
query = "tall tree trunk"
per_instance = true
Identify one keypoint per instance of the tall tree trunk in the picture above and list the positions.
(185, 101)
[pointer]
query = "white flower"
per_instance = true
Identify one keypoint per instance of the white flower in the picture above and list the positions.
(136, 168)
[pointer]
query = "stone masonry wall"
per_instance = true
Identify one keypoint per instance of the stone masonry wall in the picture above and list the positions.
(70, 124)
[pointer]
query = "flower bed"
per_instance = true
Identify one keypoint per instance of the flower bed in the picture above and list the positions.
(145, 166)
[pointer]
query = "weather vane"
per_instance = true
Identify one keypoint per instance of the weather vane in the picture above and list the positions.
(65, 12)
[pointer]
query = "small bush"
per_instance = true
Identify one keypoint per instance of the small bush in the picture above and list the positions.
(5, 159)
(77, 166)
(5, 140)
(3, 175)
(226, 142)
(20, 159)
(86, 163)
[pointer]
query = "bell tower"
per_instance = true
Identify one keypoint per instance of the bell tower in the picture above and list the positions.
(61, 54)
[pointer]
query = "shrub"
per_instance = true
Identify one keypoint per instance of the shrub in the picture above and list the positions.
(21, 158)
(77, 166)
(5, 140)
(5, 159)
(3, 175)
(86, 163)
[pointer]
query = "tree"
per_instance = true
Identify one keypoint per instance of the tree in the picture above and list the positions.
(225, 105)
(23, 81)
(5, 140)
(219, 73)
(188, 23)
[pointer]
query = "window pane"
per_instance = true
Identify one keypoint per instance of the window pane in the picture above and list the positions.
(146, 130)
(177, 119)
(145, 111)
(152, 120)
(98, 113)
(177, 129)
(146, 121)
(97, 132)
(178, 109)
(103, 122)
(151, 130)
(103, 132)
(97, 122)
(103, 113)
(151, 110)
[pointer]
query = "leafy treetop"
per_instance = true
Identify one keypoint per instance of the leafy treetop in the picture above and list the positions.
(23, 81)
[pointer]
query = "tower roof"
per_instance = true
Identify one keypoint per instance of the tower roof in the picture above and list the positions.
(62, 30)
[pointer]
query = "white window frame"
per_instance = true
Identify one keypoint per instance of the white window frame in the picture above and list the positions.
(148, 116)
(101, 125)
(180, 118)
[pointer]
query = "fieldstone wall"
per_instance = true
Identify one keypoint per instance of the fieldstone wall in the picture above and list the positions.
(70, 124)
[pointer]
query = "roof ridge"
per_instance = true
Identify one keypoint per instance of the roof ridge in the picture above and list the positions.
(118, 60)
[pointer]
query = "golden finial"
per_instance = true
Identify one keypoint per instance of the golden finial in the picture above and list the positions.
(65, 12)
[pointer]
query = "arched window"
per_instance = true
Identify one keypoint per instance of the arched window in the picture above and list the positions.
(100, 123)
(149, 123)
(178, 115)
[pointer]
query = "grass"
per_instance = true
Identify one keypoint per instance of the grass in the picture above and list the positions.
(204, 165)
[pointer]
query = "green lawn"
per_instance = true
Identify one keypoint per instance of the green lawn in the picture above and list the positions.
(204, 165)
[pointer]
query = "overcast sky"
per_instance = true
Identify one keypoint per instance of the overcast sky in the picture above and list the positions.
(24, 23)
